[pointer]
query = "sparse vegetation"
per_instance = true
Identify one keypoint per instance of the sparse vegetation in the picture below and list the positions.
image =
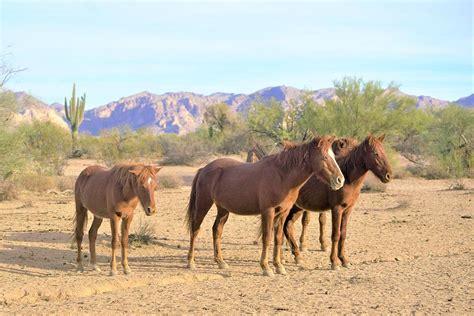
(169, 182)
(144, 233)
(75, 114)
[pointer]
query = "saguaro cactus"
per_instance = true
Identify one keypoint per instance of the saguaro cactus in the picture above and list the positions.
(75, 115)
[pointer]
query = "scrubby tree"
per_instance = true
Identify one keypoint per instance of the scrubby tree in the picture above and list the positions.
(450, 137)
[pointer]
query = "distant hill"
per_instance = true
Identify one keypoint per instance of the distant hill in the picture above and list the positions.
(179, 112)
(466, 101)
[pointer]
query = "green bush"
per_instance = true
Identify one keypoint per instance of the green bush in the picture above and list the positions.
(184, 150)
(46, 147)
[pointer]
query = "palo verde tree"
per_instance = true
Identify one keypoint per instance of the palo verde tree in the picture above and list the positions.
(75, 115)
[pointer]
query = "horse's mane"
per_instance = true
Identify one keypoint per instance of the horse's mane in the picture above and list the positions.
(295, 155)
(123, 176)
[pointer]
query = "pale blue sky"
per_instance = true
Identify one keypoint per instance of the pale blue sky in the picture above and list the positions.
(115, 49)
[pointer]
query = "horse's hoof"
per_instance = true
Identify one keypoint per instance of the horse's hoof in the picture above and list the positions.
(127, 271)
(96, 268)
(113, 272)
(80, 268)
(191, 266)
(281, 270)
(298, 260)
(268, 273)
(346, 265)
(335, 267)
(324, 248)
(222, 265)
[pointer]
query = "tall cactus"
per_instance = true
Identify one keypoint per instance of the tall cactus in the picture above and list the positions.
(75, 115)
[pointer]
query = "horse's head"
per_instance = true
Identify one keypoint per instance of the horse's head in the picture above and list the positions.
(324, 163)
(375, 159)
(342, 146)
(145, 186)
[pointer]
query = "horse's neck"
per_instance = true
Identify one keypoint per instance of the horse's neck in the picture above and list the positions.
(296, 177)
(354, 169)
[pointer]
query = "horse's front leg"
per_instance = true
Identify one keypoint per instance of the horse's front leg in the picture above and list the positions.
(335, 236)
(289, 230)
(267, 229)
(278, 242)
(114, 226)
(342, 239)
(125, 231)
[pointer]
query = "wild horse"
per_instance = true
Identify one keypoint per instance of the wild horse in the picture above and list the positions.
(112, 194)
(268, 188)
(316, 196)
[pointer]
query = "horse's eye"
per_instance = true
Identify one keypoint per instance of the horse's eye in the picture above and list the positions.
(375, 153)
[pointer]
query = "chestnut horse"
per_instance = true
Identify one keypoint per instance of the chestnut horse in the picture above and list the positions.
(341, 147)
(268, 188)
(316, 196)
(113, 194)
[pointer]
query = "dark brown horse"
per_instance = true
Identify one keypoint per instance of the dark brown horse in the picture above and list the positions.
(256, 153)
(316, 195)
(268, 188)
(112, 194)
(341, 147)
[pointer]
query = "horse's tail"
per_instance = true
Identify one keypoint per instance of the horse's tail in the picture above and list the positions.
(191, 208)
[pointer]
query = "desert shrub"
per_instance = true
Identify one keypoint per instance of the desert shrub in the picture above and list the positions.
(431, 171)
(169, 182)
(64, 183)
(12, 153)
(184, 150)
(8, 191)
(143, 234)
(90, 146)
(34, 182)
(46, 147)
(373, 185)
(117, 145)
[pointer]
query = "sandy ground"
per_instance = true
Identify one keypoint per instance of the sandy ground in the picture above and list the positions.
(412, 249)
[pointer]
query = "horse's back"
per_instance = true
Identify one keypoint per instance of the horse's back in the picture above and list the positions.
(91, 186)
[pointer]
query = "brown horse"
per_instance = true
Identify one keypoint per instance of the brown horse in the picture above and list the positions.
(268, 188)
(316, 195)
(341, 147)
(112, 194)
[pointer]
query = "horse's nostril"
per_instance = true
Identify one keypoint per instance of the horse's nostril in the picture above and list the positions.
(338, 180)
(387, 176)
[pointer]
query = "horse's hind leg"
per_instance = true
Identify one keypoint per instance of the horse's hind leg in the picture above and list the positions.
(221, 219)
(202, 208)
(80, 221)
(342, 239)
(322, 232)
(289, 229)
(304, 222)
(92, 238)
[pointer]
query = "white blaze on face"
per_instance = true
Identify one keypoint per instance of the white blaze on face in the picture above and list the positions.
(333, 157)
(149, 180)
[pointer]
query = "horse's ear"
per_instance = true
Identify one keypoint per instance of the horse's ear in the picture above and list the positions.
(370, 138)
(135, 171)
(157, 169)
(381, 138)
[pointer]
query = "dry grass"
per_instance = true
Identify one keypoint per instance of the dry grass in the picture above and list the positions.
(8, 191)
(169, 182)
(143, 234)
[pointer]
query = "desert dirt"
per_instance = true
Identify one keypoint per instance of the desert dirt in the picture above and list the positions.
(411, 247)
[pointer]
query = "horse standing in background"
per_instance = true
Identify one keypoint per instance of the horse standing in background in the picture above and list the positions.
(268, 188)
(316, 196)
(113, 194)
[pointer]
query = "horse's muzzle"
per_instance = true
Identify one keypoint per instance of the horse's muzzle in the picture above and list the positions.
(387, 178)
(150, 211)
(336, 183)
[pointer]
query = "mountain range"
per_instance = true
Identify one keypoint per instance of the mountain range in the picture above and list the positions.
(179, 112)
